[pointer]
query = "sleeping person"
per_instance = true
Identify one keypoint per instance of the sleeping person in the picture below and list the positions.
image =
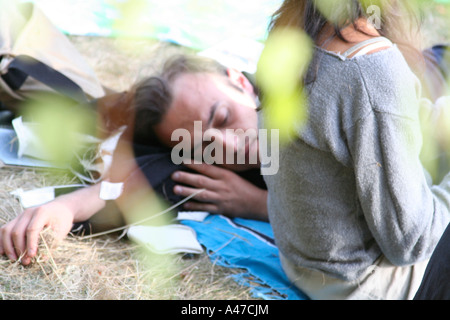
(190, 92)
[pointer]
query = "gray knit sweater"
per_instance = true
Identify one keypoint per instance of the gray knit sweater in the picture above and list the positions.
(352, 187)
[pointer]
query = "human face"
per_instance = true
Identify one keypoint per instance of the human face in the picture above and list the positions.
(219, 102)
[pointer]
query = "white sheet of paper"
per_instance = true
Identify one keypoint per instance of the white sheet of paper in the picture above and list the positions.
(39, 196)
(192, 215)
(174, 238)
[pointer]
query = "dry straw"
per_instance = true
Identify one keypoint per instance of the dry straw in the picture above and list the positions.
(103, 267)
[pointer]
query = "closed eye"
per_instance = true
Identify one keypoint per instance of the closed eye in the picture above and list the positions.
(221, 117)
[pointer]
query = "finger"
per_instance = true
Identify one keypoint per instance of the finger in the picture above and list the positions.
(195, 206)
(18, 235)
(36, 225)
(18, 231)
(204, 196)
(209, 170)
(7, 243)
(19, 238)
(193, 179)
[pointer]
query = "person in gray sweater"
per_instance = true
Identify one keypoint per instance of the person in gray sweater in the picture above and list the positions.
(353, 210)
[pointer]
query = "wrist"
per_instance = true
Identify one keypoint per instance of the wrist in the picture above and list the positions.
(83, 203)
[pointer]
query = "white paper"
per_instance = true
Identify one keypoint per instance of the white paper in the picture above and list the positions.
(29, 145)
(35, 197)
(173, 238)
(192, 215)
(110, 190)
(103, 159)
(39, 196)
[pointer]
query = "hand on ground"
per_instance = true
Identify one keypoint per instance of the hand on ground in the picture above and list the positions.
(19, 238)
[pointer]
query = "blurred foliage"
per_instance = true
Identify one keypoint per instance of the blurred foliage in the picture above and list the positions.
(282, 64)
(61, 125)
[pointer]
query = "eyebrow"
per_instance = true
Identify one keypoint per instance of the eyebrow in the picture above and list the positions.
(212, 112)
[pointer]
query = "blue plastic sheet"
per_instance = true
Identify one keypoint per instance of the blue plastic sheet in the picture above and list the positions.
(247, 245)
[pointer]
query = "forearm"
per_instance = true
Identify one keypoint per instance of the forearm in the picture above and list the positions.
(83, 203)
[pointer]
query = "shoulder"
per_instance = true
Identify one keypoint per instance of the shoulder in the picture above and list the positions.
(364, 45)
(389, 82)
(381, 81)
(380, 67)
(384, 67)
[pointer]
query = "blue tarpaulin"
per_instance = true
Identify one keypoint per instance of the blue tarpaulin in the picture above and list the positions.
(247, 245)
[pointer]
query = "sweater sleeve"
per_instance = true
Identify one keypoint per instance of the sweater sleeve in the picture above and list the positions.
(405, 214)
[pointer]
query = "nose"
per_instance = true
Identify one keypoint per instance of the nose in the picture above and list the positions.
(236, 144)
(218, 137)
(230, 139)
